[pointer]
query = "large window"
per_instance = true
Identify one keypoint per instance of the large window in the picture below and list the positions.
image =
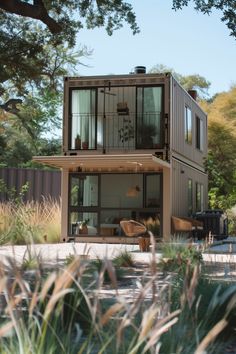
(83, 223)
(83, 201)
(83, 122)
(188, 125)
(103, 200)
(149, 113)
(153, 190)
(122, 190)
(199, 197)
(84, 190)
(199, 133)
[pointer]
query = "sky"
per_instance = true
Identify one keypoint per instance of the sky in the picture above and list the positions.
(187, 41)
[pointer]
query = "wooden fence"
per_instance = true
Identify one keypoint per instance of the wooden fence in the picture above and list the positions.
(42, 183)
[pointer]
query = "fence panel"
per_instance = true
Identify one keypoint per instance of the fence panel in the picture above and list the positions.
(42, 183)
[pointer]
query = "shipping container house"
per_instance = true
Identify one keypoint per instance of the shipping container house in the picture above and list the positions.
(133, 148)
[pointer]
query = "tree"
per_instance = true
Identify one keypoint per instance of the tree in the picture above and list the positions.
(26, 44)
(221, 162)
(189, 82)
(57, 16)
(41, 99)
(20, 142)
(38, 48)
(227, 7)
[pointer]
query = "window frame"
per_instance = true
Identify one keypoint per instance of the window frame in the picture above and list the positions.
(70, 115)
(199, 197)
(199, 134)
(160, 145)
(99, 209)
(188, 128)
(190, 196)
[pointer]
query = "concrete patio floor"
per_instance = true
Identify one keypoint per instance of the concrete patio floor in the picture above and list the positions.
(51, 253)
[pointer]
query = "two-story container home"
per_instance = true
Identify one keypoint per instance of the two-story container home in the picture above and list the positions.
(133, 148)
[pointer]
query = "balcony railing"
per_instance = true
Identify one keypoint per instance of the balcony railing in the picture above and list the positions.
(116, 131)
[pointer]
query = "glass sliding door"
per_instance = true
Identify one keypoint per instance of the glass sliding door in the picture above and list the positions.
(101, 201)
(84, 191)
(128, 192)
(116, 117)
(153, 190)
(149, 114)
(83, 204)
(83, 119)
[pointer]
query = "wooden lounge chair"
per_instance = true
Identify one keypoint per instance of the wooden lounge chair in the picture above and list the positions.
(134, 228)
(180, 226)
(186, 225)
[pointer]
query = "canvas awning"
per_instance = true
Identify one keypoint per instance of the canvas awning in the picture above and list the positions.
(122, 163)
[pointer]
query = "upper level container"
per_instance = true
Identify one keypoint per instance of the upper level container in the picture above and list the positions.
(133, 113)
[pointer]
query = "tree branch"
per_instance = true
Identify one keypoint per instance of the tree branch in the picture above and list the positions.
(36, 11)
(10, 105)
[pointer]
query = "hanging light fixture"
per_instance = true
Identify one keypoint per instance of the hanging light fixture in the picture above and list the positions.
(134, 190)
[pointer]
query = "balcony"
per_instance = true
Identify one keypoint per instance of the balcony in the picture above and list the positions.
(121, 130)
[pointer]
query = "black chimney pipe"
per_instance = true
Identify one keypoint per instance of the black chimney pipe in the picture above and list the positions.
(140, 70)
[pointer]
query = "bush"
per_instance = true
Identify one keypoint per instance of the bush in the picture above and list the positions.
(31, 222)
(180, 256)
(209, 305)
(124, 259)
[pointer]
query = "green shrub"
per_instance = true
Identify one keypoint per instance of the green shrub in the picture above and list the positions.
(99, 266)
(31, 260)
(124, 259)
(179, 257)
(210, 303)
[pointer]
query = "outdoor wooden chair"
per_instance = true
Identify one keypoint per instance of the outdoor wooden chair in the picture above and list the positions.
(197, 227)
(187, 226)
(132, 228)
(179, 226)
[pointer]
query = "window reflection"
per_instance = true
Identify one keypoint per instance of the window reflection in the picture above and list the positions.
(84, 191)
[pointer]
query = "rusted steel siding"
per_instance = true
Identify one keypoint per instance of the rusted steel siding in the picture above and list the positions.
(181, 173)
(42, 183)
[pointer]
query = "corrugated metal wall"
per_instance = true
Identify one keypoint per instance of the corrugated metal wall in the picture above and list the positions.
(42, 183)
(181, 173)
(180, 98)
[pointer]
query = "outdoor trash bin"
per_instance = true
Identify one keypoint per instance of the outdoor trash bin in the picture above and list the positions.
(214, 222)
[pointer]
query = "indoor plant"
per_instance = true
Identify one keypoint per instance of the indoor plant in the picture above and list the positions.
(77, 142)
(82, 226)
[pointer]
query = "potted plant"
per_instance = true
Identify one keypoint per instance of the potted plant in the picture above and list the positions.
(126, 133)
(83, 228)
(85, 143)
(146, 134)
(77, 142)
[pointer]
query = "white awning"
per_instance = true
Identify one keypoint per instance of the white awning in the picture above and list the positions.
(106, 162)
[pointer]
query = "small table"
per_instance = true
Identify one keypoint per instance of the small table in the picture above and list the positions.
(108, 229)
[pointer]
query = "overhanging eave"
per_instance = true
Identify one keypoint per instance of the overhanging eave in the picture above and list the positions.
(125, 162)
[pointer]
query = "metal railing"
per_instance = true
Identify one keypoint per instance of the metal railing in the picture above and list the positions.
(119, 130)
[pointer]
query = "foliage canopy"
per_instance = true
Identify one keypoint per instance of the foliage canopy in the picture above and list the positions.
(221, 163)
(227, 7)
(189, 82)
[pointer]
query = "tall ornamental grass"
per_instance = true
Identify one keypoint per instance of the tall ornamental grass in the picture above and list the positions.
(66, 311)
(35, 222)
